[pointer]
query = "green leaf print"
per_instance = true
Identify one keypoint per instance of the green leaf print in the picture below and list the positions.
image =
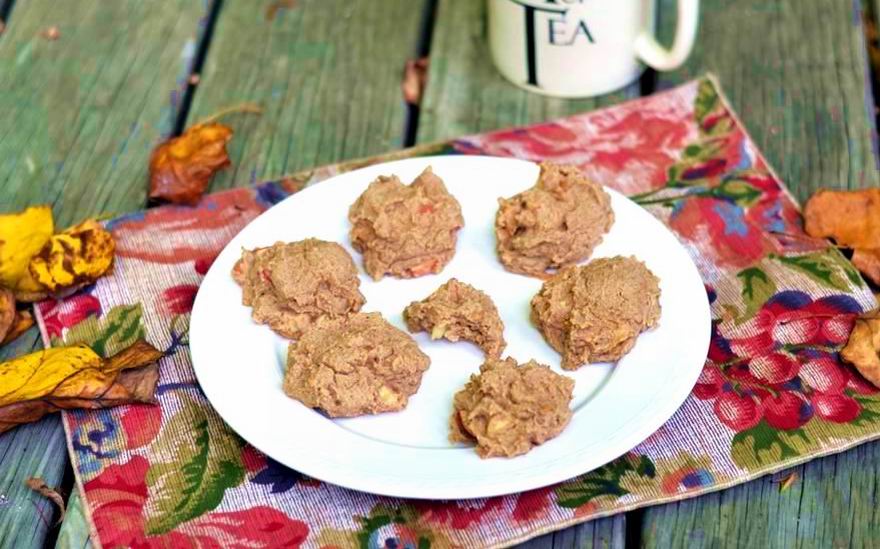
(762, 445)
(706, 101)
(742, 193)
(604, 481)
(202, 458)
(757, 289)
(823, 267)
(113, 332)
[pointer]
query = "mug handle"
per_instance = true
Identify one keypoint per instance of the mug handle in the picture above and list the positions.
(653, 54)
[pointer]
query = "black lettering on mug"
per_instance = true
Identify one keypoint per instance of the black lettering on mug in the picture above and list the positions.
(555, 34)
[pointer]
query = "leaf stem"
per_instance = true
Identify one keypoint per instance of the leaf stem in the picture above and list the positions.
(250, 108)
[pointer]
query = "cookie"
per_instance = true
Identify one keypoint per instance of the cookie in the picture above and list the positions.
(354, 365)
(507, 409)
(405, 230)
(557, 222)
(458, 311)
(595, 313)
(289, 286)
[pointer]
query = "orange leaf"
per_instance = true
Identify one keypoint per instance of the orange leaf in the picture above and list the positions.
(863, 348)
(182, 167)
(415, 77)
(852, 219)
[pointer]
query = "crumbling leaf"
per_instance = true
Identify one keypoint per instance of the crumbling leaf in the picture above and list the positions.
(75, 377)
(74, 257)
(415, 77)
(39, 485)
(852, 219)
(867, 261)
(22, 236)
(182, 167)
(7, 312)
(863, 348)
(22, 323)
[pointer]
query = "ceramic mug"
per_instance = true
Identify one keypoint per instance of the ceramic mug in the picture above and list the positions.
(581, 48)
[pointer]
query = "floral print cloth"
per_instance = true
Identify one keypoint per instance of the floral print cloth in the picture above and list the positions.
(772, 393)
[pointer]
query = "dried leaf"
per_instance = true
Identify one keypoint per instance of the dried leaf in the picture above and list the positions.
(415, 77)
(863, 348)
(22, 323)
(51, 33)
(74, 257)
(852, 219)
(276, 5)
(182, 167)
(7, 312)
(787, 481)
(39, 485)
(22, 236)
(75, 377)
(867, 261)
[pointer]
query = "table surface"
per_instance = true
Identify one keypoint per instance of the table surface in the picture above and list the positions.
(82, 112)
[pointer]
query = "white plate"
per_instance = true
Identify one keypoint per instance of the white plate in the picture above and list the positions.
(240, 365)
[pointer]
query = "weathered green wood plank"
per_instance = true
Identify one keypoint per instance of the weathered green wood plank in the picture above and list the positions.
(465, 94)
(798, 80)
(604, 533)
(81, 113)
(34, 450)
(832, 504)
(327, 73)
(795, 71)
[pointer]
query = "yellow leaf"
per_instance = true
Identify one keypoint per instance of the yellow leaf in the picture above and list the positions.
(38, 374)
(74, 257)
(22, 235)
(75, 377)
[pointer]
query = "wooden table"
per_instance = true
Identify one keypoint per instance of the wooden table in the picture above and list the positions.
(81, 113)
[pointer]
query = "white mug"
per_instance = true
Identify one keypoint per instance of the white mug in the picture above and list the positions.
(582, 48)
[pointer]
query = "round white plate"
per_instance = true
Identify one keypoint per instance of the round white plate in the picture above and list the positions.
(240, 365)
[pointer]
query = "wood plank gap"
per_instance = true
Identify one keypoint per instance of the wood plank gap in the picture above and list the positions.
(5, 12)
(869, 11)
(423, 49)
(195, 69)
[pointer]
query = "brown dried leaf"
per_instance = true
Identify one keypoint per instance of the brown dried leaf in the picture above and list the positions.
(22, 323)
(75, 377)
(73, 258)
(182, 167)
(415, 77)
(277, 5)
(852, 219)
(863, 348)
(39, 485)
(7, 312)
(51, 33)
(787, 482)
